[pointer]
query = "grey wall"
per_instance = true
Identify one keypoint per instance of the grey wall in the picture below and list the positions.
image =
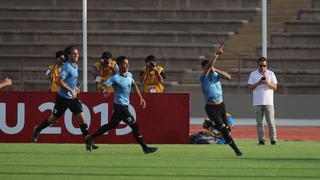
(286, 106)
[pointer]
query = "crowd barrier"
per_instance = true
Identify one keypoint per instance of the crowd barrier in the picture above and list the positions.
(164, 121)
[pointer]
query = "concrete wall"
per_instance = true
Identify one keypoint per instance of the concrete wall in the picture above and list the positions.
(286, 106)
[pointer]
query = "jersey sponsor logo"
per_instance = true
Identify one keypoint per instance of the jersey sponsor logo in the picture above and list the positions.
(64, 73)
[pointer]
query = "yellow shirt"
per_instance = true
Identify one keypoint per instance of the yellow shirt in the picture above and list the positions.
(54, 87)
(152, 83)
(104, 73)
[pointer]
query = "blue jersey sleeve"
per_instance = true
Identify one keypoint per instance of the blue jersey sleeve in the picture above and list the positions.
(230, 121)
(211, 77)
(64, 71)
(214, 77)
(109, 82)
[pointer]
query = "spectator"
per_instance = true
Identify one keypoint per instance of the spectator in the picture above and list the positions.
(103, 69)
(6, 82)
(152, 76)
(54, 70)
(263, 82)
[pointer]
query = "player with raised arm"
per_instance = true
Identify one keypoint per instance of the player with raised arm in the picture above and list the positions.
(212, 92)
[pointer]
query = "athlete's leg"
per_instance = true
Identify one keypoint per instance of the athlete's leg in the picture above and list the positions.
(131, 121)
(59, 108)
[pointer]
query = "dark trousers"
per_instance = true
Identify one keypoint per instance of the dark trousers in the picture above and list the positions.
(121, 113)
(217, 114)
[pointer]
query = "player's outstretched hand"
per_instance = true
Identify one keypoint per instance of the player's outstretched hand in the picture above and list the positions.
(143, 103)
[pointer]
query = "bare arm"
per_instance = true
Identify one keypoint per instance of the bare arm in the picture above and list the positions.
(253, 86)
(223, 74)
(6, 82)
(208, 67)
(160, 78)
(270, 85)
(212, 61)
(142, 101)
(144, 76)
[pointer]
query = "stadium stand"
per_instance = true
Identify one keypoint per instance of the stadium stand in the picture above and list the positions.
(176, 31)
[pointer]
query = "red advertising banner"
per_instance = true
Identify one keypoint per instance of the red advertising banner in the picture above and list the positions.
(164, 121)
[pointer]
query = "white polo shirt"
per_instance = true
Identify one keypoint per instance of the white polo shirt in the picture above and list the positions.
(262, 94)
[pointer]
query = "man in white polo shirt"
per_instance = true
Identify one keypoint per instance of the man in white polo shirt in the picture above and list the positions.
(263, 82)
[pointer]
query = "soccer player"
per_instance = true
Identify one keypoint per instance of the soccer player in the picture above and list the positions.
(121, 83)
(67, 96)
(212, 91)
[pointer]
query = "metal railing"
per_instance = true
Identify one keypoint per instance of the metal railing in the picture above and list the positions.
(292, 73)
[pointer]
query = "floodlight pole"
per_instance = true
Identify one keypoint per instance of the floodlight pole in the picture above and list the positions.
(84, 45)
(264, 28)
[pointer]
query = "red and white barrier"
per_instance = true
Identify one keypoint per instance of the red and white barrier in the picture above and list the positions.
(164, 121)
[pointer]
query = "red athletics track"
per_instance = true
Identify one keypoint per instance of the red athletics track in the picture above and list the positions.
(283, 132)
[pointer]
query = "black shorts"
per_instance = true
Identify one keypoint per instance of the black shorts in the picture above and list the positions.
(62, 104)
(217, 114)
(121, 113)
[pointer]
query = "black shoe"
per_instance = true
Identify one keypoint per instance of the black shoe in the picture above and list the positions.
(239, 154)
(94, 147)
(35, 135)
(261, 143)
(148, 150)
(273, 142)
(88, 141)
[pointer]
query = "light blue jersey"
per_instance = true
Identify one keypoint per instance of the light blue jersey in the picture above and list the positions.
(211, 87)
(121, 86)
(69, 74)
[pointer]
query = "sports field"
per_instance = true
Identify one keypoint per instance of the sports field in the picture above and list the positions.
(286, 160)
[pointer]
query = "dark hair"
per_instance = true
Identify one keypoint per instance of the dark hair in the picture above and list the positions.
(120, 59)
(204, 62)
(150, 58)
(68, 50)
(262, 59)
(106, 55)
(59, 53)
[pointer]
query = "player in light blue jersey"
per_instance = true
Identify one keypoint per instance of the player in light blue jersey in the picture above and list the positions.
(122, 83)
(67, 96)
(212, 92)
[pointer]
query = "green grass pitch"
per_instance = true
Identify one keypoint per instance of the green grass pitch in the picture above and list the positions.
(286, 160)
